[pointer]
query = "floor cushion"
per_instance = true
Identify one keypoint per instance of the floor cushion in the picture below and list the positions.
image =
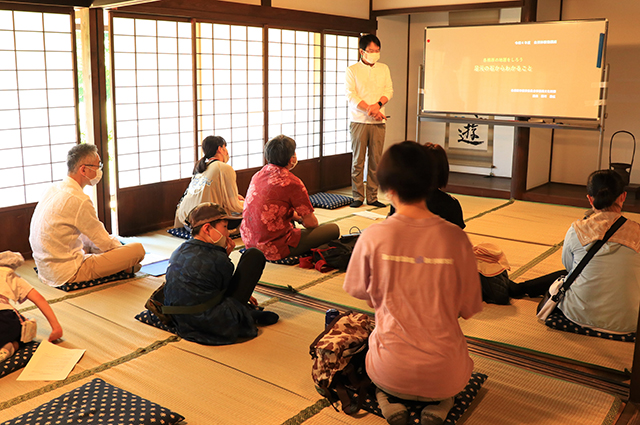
(329, 201)
(19, 359)
(98, 402)
(462, 402)
(557, 320)
(147, 317)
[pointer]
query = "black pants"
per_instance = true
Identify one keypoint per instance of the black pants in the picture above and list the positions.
(247, 275)
(10, 327)
(535, 287)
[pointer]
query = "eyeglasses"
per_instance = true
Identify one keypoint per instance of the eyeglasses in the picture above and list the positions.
(92, 165)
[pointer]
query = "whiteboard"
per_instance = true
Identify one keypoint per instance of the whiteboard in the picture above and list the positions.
(550, 69)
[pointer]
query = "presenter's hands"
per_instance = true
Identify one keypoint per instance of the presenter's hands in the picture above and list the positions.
(379, 116)
(373, 110)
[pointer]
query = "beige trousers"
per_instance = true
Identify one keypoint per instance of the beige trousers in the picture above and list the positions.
(366, 137)
(107, 263)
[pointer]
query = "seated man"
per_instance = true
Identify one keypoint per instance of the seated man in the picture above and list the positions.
(68, 241)
(201, 273)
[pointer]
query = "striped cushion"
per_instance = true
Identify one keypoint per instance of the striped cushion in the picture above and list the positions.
(329, 201)
(183, 233)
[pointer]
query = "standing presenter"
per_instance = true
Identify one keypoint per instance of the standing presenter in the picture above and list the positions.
(368, 88)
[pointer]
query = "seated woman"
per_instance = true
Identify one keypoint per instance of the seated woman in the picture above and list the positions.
(213, 181)
(276, 197)
(201, 270)
(606, 295)
(440, 202)
(419, 289)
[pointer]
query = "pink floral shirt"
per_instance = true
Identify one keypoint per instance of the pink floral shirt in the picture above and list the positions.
(273, 195)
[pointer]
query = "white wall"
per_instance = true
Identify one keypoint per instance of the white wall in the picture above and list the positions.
(393, 34)
(351, 8)
(575, 152)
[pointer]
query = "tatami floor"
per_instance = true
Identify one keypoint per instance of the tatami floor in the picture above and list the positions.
(267, 380)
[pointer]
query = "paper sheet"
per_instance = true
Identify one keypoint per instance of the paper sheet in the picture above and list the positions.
(150, 258)
(50, 363)
(369, 214)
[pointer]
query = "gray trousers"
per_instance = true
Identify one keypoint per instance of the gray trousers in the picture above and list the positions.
(366, 137)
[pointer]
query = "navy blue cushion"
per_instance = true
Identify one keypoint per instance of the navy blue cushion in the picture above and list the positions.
(180, 232)
(462, 402)
(98, 402)
(291, 260)
(19, 359)
(151, 319)
(557, 320)
(88, 283)
(329, 201)
(183, 233)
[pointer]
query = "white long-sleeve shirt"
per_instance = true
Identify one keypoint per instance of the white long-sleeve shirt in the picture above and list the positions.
(62, 217)
(368, 83)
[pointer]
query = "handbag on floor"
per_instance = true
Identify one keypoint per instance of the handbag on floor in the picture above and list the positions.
(29, 327)
(338, 355)
(556, 291)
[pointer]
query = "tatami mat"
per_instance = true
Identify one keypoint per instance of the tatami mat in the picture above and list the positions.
(528, 222)
(517, 325)
(515, 396)
(331, 291)
(104, 340)
(280, 353)
(551, 264)
(474, 205)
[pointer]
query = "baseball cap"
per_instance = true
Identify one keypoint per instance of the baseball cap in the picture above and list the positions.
(206, 213)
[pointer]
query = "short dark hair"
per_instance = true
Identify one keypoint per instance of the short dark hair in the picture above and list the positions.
(78, 154)
(367, 39)
(210, 146)
(409, 169)
(279, 150)
(604, 186)
(441, 164)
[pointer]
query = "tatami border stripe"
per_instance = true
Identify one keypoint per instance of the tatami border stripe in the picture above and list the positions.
(86, 373)
(610, 419)
(307, 413)
(506, 204)
(93, 289)
(540, 258)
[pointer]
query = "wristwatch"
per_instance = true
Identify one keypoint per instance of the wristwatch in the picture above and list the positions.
(380, 104)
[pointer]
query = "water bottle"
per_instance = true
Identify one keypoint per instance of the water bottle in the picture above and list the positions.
(331, 314)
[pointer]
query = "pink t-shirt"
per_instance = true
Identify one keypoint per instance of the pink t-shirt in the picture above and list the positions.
(273, 195)
(420, 275)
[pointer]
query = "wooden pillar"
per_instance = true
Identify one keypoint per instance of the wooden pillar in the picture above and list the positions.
(520, 162)
(95, 98)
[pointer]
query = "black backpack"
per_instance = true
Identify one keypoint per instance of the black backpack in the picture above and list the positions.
(335, 254)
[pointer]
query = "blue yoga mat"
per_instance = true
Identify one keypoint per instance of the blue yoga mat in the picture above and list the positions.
(156, 269)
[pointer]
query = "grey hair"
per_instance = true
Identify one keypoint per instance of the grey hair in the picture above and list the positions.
(78, 154)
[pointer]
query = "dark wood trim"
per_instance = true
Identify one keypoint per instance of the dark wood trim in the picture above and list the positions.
(221, 11)
(406, 106)
(634, 386)
(47, 6)
(265, 3)
(95, 82)
(335, 172)
(449, 8)
(14, 228)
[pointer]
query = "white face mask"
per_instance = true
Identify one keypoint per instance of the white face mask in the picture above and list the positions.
(371, 58)
(221, 241)
(94, 181)
(293, 165)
